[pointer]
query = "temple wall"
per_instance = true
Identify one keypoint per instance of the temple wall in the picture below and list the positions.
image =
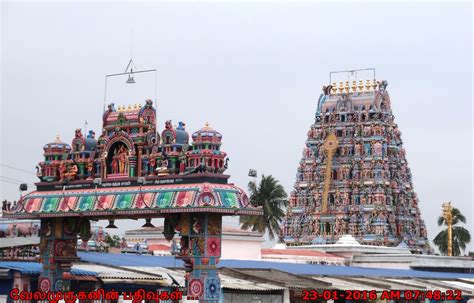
(241, 249)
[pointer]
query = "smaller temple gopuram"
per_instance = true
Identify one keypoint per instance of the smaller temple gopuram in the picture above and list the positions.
(353, 177)
(133, 171)
(130, 146)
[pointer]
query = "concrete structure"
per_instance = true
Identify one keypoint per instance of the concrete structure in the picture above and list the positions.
(301, 256)
(419, 262)
(400, 257)
(236, 243)
(242, 281)
(347, 247)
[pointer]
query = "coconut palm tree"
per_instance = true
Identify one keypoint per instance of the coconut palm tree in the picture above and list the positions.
(270, 195)
(460, 235)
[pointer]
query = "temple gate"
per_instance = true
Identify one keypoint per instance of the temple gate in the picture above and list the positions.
(133, 172)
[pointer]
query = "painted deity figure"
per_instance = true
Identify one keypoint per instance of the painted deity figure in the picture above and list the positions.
(321, 152)
(115, 165)
(91, 134)
(358, 149)
(345, 198)
(311, 133)
(62, 170)
(337, 198)
(377, 149)
(182, 162)
(78, 133)
(163, 169)
(367, 148)
(90, 169)
(71, 172)
(366, 131)
(122, 156)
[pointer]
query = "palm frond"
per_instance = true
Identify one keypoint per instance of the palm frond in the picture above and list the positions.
(271, 196)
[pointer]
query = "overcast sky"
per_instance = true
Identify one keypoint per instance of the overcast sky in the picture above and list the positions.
(254, 71)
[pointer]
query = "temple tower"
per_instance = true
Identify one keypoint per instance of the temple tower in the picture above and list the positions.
(353, 177)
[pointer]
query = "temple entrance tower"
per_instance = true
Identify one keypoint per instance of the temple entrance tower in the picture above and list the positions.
(130, 173)
(353, 177)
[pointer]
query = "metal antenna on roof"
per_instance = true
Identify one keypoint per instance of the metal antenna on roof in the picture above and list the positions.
(130, 71)
(131, 43)
(352, 73)
(130, 65)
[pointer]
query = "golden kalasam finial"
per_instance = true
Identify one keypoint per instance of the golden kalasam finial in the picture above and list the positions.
(346, 87)
(207, 124)
(334, 88)
(361, 85)
(341, 87)
(129, 107)
(368, 85)
(374, 84)
(354, 86)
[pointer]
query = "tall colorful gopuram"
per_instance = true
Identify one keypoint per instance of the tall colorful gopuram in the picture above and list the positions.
(353, 177)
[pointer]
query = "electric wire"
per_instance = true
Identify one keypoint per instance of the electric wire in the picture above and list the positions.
(18, 169)
(14, 181)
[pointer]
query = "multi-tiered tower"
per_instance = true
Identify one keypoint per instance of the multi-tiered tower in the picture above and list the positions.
(353, 177)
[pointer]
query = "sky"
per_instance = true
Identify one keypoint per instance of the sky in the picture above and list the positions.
(254, 71)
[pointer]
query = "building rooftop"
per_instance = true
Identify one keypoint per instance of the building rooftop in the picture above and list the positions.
(226, 230)
(34, 268)
(293, 268)
(299, 252)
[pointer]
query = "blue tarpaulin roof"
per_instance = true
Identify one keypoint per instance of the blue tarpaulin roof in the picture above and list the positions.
(34, 268)
(298, 269)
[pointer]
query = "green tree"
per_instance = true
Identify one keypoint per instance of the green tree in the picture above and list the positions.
(271, 196)
(460, 235)
(113, 241)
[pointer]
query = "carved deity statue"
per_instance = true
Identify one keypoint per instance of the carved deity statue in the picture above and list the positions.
(119, 164)
(377, 149)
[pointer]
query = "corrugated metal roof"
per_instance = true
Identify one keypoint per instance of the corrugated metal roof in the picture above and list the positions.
(69, 276)
(445, 285)
(340, 283)
(379, 284)
(19, 241)
(130, 260)
(294, 268)
(4, 272)
(280, 277)
(34, 268)
(331, 270)
(229, 282)
(112, 275)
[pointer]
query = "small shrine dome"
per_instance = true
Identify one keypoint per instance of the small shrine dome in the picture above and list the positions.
(57, 146)
(182, 136)
(207, 133)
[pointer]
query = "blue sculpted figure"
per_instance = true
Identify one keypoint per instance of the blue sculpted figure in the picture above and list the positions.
(91, 134)
(367, 148)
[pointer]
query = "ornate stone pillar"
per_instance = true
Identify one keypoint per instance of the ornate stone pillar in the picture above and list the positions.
(139, 160)
(201, 250)
(133, 165)
(58, 240)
